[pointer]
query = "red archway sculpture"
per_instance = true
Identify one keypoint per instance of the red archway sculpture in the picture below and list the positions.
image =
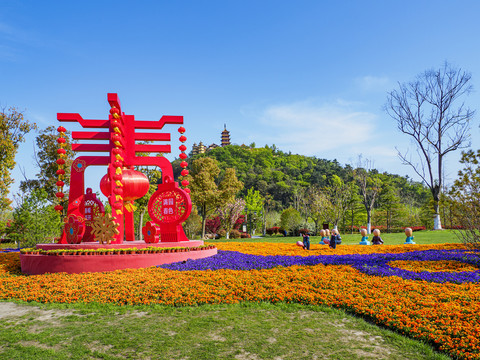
(120, 158)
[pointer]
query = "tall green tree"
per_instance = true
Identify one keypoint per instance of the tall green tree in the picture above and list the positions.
(205, 193)
(34, 220)
(338, 192)
(13, 128)
(45, 158)
(254, 205)
(465, 193)
(290, 220)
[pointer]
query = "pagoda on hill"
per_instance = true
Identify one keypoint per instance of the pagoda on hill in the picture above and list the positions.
(225, 136)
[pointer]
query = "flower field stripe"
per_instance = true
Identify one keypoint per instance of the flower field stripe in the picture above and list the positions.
(370, 264)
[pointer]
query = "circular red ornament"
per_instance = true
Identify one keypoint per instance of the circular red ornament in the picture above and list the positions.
(60, 172)
(118, 191)
(185, 182)
(184, 164)
(117, 177)
(61, 151)
(60, 195)
(181, 129)
(61, 140)
(117, 151)
(61, 129)
(169, 204)
(182, 138)
(60, 161)
(184, 172)
(182, 147)
(183, 156)
(59, 208)
(60, 183)
(118, 164)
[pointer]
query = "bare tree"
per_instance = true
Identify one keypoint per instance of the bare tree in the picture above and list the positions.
(370, 186)
(425, 110)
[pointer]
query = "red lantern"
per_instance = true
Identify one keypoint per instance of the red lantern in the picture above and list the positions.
(61, 140)
(60, 183)
(118, 191)
(182, 138)
(61, 129)
(187, 190)
(117, 151)
(60, 195)
(117, 205)
(60, 161)
(117, 177)
(59, 208)
(185, 182)
(117, 164)
(60, 172)
(114, 110)
(181, 129)
(184, 172)
(135, 183)
(182, 147)
(61, 151)
(183, 156)
(184, 164)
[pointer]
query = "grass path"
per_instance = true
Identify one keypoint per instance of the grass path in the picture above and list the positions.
(242, 331)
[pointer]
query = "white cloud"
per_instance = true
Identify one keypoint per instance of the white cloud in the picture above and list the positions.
(310, 129)
(373, 83)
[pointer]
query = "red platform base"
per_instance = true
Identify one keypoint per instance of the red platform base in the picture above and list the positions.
(36, 264)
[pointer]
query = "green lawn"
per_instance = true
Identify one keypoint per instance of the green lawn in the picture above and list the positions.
(420, 237)
(241, 331)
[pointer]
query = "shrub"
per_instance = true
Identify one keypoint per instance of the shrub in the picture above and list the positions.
(222, 233)
(235, 234)
(274, 230)
(245, 236)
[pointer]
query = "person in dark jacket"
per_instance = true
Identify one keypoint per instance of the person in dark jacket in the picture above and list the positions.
(377, 240)
(306, 240)
(335, 239)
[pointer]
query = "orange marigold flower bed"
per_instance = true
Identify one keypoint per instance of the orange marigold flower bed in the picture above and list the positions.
(430, 266)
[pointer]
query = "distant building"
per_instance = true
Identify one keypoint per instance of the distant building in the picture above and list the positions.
(198, 149)
(202, 149)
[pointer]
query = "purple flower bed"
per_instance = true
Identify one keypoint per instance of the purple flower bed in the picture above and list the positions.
(371, 264)
(9, 250)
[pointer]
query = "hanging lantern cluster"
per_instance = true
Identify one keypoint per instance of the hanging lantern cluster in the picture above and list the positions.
(183, 156)
(117, 200)
(61, 155)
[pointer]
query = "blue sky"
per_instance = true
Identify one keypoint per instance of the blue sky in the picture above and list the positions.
(308, 76)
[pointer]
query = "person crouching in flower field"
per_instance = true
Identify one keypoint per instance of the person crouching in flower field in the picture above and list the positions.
(335, 239)
(377, 240)
(306, 240)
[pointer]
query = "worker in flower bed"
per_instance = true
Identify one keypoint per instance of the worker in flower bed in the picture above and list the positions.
(377, 240)
(306, 240)
(335, 239)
